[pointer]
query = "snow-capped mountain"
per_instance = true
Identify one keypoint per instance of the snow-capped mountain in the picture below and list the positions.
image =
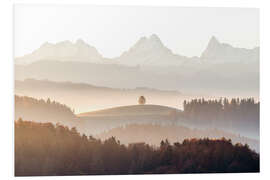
(150, 51)
(217, 52)
(62, 51)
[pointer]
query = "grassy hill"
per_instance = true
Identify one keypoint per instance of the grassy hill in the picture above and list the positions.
(106, 119)
(133, 110)
(85, 97)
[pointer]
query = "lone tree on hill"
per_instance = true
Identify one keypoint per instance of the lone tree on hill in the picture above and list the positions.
(141, 100)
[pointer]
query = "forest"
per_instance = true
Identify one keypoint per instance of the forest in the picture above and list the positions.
(48, 149)
(41, 110)
(154, 133)
(239, 115)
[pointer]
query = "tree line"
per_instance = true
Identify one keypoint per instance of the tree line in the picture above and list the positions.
(239, 114)
(154, 133)
(48, 149)
(41, 110)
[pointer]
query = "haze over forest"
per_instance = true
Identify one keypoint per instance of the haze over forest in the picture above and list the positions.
(151, 108)
(78, 76)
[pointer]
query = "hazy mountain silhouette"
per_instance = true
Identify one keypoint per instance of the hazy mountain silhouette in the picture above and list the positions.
(146, 52)
(221, 70)
(150, 52)
(208, 79)
(63, 51)
(217, 52)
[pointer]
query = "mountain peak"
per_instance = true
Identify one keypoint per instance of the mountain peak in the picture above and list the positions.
(150, 51)
(64, 43)
(154, 37)
(64, 50)
(46, 44)
(213, 41)
(80, 41)
(152, 42)
(217, 52)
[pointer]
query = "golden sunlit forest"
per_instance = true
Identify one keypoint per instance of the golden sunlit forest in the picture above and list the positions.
(47, 149)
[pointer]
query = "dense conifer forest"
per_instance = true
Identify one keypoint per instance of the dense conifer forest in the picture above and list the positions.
(48, 149)
(43, 110)
(152, 134)
(240, 115)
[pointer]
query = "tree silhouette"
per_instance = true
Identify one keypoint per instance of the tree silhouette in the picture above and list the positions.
(47, 149)
(235, 114)
(142, 100)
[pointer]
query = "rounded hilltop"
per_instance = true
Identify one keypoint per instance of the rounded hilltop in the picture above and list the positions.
(132, 110)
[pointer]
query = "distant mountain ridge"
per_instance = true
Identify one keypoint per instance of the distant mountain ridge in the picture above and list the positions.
(65, 51)
(150, 51)
(194, 78)
(221, 53)
(147, 51)
(221, 69)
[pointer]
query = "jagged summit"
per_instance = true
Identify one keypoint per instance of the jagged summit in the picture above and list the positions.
(154, 37)
(150, 51)
(153, 42)
(217, 52)
(81, 42)
(213, 41)
(63, 51)
(212, 46)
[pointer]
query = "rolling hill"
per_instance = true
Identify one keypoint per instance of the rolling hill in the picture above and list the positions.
(85, 97)
(132, 110)
(129, 123)
(106, 119)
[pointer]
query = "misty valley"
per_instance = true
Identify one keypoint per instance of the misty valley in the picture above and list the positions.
(148, 111)
(48, 133)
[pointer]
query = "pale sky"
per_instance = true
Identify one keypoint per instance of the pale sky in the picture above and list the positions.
(114, 29)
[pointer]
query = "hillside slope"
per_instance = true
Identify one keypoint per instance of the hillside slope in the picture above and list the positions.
(86, 97)
(42, 149)
(153, 134)
(132, 110)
